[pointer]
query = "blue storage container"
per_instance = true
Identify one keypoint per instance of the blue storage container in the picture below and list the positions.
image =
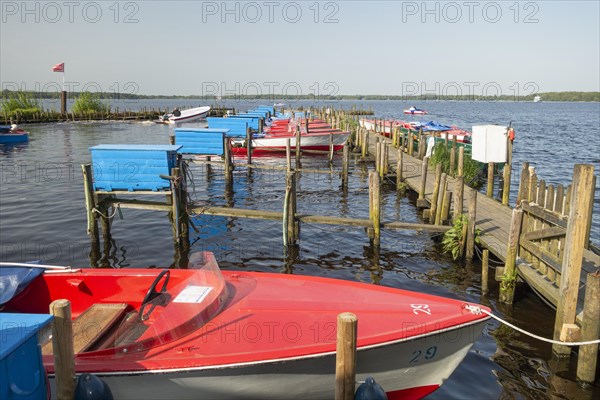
(22, 375)
(133, 166)
(201, 141)
(251, 119)
(237, 126)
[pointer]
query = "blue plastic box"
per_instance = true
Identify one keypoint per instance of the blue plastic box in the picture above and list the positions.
(22, 375)
(132, 166)
(201, 141)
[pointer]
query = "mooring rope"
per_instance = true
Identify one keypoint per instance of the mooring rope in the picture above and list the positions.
(479, 310)
(115, 210)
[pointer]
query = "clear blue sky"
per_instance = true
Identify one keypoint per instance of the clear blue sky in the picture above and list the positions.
(343, 47)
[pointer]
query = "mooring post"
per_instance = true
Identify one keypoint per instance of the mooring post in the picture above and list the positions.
(330, 157)
(63, 102)
(411, 144)
(298, 148)
(472, 215)
(507, 287)
(345, 164)
(446, 206)
(345, 359)
(171, 139)
(485, 260)
(590, 330)
(365, 145)
(421, 201)
(249, 145)
(399, 166)
(461, 161)
(175, 206)
(577, 227)
(377, 154)
(357, 143)
(459, 185)
(375, 190)
(288, 154)
(523, 183)
(228, 161)
(420, 147)
(62, 348)
(506, 189)
(440, 199)
(490, 180)
(88, 186)
(436, 191)
(290, 230)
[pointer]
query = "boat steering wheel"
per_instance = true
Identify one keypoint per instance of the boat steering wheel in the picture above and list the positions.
(153, 293)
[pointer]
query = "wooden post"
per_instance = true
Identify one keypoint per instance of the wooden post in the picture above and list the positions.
(577, 227)
(590, 330)
(298, 150)
(506, 188)
(440, 199)
(436, 191)
(377, 155)
(171, 139)
(453, 158)
(345, 165)
(63, 102)
(507, 288)
(176, 205)
(461, 161)
(485, 270)
(411, 145)
(249, 144)
(490, 180)
(375, 190)
(459, 186)
(421, 201)
(399, 166)
(289, 210)
(228, 161)
(523, 183)
(62, 347)
(365, 144)
(288, 154)
(345, 359)
(446, 206)
(472, 213)
(330, 148)
(88, 186)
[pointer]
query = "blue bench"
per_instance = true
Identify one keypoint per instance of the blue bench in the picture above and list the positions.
(201, 141)
(237, 126)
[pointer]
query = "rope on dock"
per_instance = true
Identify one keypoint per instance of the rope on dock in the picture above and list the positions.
(479, 310)
(115, 210)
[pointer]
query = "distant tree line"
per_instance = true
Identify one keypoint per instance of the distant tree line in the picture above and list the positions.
(548, 96)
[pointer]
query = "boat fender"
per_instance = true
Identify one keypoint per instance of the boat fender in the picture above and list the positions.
(511, 134)
(370, 390)
(90, 387)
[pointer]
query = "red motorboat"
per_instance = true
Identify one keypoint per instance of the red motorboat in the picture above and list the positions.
(202, 333)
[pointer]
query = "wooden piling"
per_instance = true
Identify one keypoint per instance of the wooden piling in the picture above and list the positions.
(63, 102)
(506, 188)
(298, 143)
(330, 147)
(365, 144)
(440, 199)
(446, 206)
(507, 288)
(88, 186)
(458, 196)
(288, 154)
(577, 227)
(490, 180)
(375, 214)
(411, 146)
(590, 330)
(461, 161)
(249, 145)
(399, 166)
(485, 270)
(436, 191)
(421, 201)
(289, 211)
(227, 157)
(472, 213)
(345, 165)
(453, 158)
(523, 183)
(345, 360)
(62, 348)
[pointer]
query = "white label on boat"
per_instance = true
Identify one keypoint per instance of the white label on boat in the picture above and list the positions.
(193, 294)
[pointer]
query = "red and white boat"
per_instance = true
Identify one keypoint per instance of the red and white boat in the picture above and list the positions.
(202, 333)
(182, 116)
(415, 111)
(313, 141)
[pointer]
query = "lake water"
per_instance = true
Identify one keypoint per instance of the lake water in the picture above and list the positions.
(42, 217)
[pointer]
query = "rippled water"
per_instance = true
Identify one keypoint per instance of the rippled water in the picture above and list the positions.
(42, 217)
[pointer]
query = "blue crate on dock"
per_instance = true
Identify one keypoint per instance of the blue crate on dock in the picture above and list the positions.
(22, 375)
(237, 126)
(133, 166)
(252, 119)
(209, 141)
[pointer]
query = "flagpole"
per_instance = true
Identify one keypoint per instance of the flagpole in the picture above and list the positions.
(63, 87)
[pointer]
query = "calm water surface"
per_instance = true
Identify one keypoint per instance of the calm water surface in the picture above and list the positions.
(42, 217)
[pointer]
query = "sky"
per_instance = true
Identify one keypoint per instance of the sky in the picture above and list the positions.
(302, 47)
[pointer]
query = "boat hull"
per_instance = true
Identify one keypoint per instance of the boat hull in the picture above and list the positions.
(402, 368)
(9, 138)
(308, 142)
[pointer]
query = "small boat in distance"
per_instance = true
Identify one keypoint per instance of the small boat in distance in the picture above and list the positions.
(181, 116)
(12, 134)
(537, 99)
(205, 333)
(415, 111)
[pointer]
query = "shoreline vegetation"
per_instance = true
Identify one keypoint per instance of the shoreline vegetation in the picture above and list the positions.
(546, 97)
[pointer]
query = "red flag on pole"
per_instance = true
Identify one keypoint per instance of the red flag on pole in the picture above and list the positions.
(59, 68)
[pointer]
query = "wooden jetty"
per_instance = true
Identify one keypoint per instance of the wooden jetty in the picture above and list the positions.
(544, 240)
